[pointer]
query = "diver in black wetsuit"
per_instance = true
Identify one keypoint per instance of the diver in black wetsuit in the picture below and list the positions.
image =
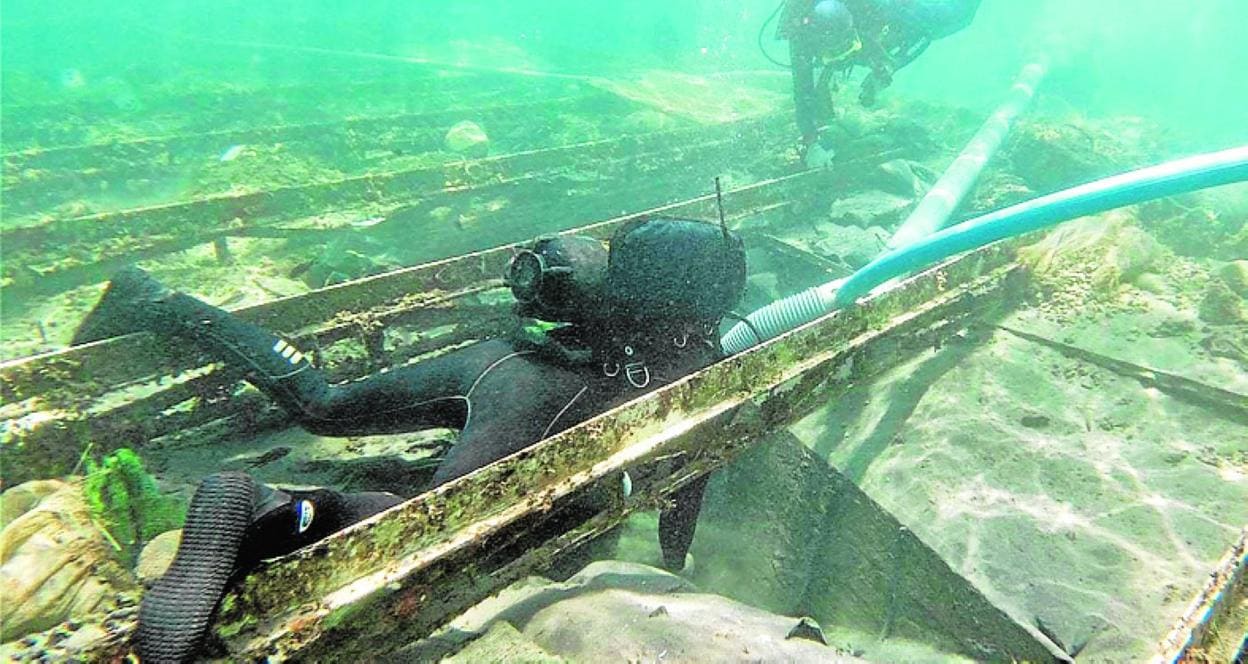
(827, 37)
(637, 316)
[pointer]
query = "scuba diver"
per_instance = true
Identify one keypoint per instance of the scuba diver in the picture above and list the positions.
(631, 317)
(831, 37)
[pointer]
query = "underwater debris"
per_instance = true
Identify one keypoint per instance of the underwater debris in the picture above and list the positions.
(231, 153)
(468, 139)
(808, 629)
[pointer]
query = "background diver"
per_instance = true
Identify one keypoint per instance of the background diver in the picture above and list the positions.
(636, 316)
(831, 37)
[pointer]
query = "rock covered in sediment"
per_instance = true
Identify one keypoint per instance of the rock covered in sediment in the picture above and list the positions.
(865, 209)
(24, 497)
(157, 556)
(1221, 306)
(1235, 275)
(55, 564)
(902, 177)
(467, 138)
(616, 611)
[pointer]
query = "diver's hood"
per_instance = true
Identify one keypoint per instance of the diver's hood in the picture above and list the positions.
(658, 270)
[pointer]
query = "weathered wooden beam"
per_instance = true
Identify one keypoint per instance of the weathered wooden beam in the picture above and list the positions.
(69, 124)
(1233, 404)
(81, 245)
(397, 567)
(396, 576)
(73, 174)
(1196, 636)
(104, 157)
(114, 362)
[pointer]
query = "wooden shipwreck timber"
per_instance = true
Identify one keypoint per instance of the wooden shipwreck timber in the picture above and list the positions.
(405, 572)
(378, 588)
(396, 578)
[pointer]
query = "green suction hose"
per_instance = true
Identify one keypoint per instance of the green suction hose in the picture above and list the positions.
(1175, 177)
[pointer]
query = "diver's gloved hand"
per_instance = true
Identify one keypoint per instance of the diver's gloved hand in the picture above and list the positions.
(233, 523)
(820, 153)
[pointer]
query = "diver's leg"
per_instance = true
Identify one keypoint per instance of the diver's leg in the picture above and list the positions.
(424, 395)
(805, 98)
(233, 522)
(136, 301)
(678, 523)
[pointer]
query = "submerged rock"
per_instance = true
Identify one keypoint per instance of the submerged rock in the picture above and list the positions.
(1221, 306)
(468, 139)
(870, 208)
(612, 611)
(1089, 259)
(808, 629)
(157, 556)
(55, 564)
(1051, 156)
(854, 245)
(903, 177)
(1235, 275)
(24, 497)
(503, 644)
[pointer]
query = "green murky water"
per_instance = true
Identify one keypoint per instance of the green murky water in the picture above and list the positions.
(1035, 466)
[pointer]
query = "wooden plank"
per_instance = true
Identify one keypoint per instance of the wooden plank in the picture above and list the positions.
(114, 362)
(82, 245)
(69, 124)
(1232, 404)
(1223, 596)
(80, 173)
(396, 576)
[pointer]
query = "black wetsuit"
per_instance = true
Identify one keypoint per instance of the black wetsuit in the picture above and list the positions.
(504, 396)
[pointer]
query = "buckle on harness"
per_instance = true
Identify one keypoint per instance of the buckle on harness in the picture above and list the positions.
(638, 374)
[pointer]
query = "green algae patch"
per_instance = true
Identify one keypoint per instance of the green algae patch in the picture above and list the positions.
(126, 502)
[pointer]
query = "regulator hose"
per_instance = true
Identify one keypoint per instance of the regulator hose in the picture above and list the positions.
(1168, 179)
(762, 29)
